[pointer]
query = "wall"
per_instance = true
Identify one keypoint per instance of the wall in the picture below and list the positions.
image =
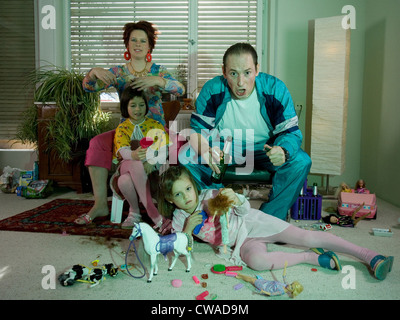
(373, 133)
(380, 132)
(51, 49)
(291, 42)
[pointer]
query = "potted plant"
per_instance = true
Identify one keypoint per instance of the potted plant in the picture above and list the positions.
(75, 114)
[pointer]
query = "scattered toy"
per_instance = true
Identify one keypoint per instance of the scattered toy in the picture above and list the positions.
(155, 244)
(202, 295)
(81, 273)
(220, 268)
(274, 288)
(177, 283)
(196, 280)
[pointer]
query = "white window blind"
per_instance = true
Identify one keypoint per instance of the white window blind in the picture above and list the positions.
(96, 31)
(221, 24)
(194, 33)
(17, 59)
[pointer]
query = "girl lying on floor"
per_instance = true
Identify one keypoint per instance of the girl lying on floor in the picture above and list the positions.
(250, 230)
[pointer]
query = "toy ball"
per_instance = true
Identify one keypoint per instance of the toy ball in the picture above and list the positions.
(176, 283)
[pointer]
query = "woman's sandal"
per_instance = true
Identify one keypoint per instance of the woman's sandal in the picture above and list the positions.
(325, 258)
(85, 218)
(381, 265)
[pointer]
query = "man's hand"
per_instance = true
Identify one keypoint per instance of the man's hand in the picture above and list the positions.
(275, 154)
(213, 157)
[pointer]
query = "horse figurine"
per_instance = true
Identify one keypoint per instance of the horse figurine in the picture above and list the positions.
(155, 244)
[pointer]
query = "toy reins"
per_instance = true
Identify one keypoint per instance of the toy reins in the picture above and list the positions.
(138, 234)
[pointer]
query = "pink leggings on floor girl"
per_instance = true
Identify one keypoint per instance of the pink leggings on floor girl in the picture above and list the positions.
(133, 182)
(254, 250)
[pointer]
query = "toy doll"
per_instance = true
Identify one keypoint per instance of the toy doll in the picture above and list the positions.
(220, 206)
(274, 287)
(346, 221)
(360, 186)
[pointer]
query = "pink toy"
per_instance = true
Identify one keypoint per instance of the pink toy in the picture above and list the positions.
(146, 142)
(349, 202)
(195, 279)
(202, 295)
(176, 283)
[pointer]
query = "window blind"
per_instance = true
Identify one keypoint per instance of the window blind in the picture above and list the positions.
(194, 33)
(17, 59)
(221, 24)
(96, 31)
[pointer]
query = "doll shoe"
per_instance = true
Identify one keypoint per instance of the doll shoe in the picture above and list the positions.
(381, 265)
(83, 220)
(325, 258)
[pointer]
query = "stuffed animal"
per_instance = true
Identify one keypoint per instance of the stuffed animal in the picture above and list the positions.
(81, 273)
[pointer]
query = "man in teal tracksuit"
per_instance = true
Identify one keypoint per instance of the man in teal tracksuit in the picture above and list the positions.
(257, 110)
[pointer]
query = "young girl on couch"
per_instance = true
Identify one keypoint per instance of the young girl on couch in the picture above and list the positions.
(250, 230)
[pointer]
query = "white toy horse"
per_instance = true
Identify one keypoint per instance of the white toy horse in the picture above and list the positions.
(154, 244)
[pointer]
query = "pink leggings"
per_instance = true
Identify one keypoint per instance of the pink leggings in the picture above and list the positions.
(254, 250)
(133, 182)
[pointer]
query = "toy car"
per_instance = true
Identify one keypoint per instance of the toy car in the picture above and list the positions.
(349, 201)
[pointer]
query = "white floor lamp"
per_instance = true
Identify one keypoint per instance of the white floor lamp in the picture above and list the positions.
(327, 95)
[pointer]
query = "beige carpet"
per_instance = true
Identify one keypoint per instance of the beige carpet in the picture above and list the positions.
(24, 257)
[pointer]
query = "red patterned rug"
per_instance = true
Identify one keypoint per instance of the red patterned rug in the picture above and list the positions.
(58, 216)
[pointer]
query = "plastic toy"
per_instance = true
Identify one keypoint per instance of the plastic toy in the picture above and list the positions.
(154, 244)
(382, 232)
(238, 286)
(176, 283)
(351, 199)
(346, 221)
(146, 142)
(202, 295)
(221, 269)
(220, 206)
(196, 280)
(196, 230)
(274, 288)
(360, 187)
(81, 273)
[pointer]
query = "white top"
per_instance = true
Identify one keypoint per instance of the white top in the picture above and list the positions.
(244, 222)
(245, 114)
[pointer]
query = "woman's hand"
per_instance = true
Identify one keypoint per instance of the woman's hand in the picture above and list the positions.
(192, 221)
(104, 75)
(139, 154)
(142, 83)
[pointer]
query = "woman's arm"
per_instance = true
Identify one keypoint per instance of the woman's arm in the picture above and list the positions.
(162, 79)
(91, 84)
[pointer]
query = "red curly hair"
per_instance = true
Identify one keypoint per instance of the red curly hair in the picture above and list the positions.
(145, 26)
